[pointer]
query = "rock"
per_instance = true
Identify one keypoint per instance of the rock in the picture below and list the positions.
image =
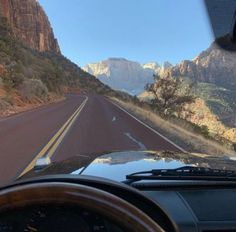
(215, 65)
(126, 75)
(30, 24)
(230, 135)
(202, 116)
(122, 74)
(153, 66)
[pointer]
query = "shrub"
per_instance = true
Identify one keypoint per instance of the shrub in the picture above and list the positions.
(33, 88)
(4, 105)
(202, 130)
(170, 95)
(17, 79)
(8, 100)
(7, 82)
(234, 146)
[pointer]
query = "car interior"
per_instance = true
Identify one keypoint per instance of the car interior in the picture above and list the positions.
(86, 203)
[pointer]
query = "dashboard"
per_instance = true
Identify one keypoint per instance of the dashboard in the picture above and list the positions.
(59, 218)
(202, 206)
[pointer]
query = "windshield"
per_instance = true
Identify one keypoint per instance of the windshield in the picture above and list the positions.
(86, 78)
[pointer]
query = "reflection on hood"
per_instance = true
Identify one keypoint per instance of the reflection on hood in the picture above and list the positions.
(116, 165)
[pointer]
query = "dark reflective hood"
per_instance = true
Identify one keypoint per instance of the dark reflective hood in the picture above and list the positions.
(117, 165)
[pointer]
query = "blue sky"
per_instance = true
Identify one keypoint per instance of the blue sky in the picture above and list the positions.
(140, 30)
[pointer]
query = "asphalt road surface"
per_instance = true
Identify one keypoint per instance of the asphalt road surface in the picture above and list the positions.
(79, 125)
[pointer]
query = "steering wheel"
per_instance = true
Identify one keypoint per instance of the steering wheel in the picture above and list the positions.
(105, 204)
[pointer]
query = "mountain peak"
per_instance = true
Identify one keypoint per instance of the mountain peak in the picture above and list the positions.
(167, 64)
(151, 65)
(122, 74)
(117, 59)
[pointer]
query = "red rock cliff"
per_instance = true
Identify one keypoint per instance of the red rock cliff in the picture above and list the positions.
(30, 24)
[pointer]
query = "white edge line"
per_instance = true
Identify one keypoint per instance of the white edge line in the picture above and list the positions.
(150, 128)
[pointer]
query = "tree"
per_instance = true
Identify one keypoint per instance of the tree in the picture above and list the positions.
(171, 94)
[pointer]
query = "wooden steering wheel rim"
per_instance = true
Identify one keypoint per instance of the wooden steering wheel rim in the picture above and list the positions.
(101, 202)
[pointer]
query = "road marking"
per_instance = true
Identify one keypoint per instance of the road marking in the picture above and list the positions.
(59, 140)
(141, 145)
(50, 148)
(150, 128)
(114, 119)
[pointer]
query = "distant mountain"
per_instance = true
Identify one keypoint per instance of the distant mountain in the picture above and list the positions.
(125, 75)
(152, 66)
(214, 65)
(214, 71)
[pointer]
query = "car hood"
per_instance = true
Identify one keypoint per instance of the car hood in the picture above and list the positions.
(116, 165)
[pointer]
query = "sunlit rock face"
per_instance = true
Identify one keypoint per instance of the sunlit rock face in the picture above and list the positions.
(153, 66)
(125, 75)
(215, 65)
(214, 73)
(122, 74)
(30, 24)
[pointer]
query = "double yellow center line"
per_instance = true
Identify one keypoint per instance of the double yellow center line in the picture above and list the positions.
(50, 148)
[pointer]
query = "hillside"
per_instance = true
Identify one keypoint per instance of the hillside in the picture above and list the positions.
(28, 75)
(214, 72)
(220, 100)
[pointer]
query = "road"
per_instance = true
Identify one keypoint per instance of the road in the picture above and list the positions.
(79, 125)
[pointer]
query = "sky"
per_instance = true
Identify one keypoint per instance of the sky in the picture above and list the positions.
(89, 31)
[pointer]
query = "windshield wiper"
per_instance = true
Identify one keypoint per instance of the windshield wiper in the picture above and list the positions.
(183, 173)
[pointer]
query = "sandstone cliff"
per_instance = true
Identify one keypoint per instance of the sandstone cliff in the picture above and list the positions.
(215, 65)
(214, 71)
(30, 24)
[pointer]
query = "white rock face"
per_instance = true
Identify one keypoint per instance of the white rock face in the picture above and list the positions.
(122, 74)
(153, 66)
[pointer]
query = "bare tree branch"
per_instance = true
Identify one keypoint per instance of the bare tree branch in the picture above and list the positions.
(170, 94)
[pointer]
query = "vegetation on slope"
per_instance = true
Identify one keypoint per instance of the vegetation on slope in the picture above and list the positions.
(187, 135)
(32, 75)
(220, 100)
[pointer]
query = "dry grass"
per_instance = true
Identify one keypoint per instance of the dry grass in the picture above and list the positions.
(180, 134)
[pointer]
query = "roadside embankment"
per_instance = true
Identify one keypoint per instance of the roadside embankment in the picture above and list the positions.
(179, 132)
